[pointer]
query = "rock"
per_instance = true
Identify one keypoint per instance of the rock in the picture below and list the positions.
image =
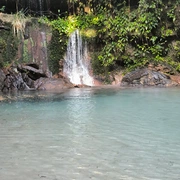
(161, 68)
(30, 77)
(21, 77)
(175, 78)
(32, 70)
(80, 86)
(2, 78)
(2, 98)
(14, 81)
(52, 84)
(98, 82)
(147, 77)
(5, 28)
(117, 78)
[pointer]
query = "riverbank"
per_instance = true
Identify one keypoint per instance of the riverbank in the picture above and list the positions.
(57, 94)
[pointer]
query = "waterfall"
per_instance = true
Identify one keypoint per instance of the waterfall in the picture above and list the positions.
(76, 62)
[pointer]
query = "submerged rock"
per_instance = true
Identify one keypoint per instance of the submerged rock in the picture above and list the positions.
(146, 77)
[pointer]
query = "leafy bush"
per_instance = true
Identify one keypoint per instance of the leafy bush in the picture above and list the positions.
(113, 29)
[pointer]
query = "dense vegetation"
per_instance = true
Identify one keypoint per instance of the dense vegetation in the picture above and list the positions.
(8, 48)
(124, 33)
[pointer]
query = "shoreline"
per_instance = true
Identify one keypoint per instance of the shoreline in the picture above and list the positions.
(52, 94)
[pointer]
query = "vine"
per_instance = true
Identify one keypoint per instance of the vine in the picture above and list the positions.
(130, 37)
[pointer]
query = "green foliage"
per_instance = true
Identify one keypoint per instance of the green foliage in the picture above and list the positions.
(113, 26)
(171, 14)
(65, 26)
(55, 51)
(25, 52)
(8, 48)
(2, 9)
(113, 35)
(165, 32)
(97, 65)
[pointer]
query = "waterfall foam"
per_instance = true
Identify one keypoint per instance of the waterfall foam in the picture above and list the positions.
(76, 62)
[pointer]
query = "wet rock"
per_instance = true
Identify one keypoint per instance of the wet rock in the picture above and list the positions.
(14, 81)
(147, 77)
(80, 86)
(20, 77)
(52, 84)
(30, 77)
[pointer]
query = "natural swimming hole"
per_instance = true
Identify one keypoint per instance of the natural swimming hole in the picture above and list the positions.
(91, 133)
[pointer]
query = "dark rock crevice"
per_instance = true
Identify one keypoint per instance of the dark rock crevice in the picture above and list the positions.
(32, 71)
(29, 77)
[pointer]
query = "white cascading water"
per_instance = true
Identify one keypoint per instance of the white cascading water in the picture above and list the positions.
(76, 63)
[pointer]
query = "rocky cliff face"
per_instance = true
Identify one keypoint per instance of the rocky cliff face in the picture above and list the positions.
(24, 58)
(33, 48)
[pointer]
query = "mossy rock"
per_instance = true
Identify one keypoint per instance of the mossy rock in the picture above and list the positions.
(8, 47)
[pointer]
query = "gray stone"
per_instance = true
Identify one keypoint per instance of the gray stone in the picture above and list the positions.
(146, 77)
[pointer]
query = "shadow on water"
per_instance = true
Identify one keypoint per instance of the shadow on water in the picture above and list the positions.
(51, 96)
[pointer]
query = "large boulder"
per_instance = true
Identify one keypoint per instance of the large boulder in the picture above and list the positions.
(52, 84)
(147, 77)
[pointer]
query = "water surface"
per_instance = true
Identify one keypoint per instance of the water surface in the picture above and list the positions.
(100, 134)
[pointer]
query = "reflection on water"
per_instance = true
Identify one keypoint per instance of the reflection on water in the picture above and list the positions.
(78, 111)
(101, 134)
